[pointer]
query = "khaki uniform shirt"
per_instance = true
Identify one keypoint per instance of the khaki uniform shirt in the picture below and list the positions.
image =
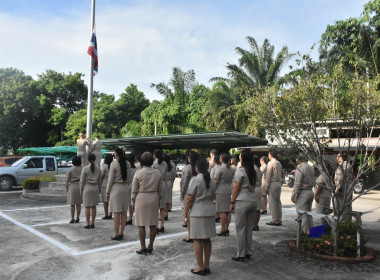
(88, 177)
(225, 176)
(82, 143)
(246, 191)
(304, 178)
(115, 175)
(274, 172)
(73, 175)
(203, 197)
(147, 179)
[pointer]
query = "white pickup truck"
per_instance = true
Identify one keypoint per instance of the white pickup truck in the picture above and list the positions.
(26, 167)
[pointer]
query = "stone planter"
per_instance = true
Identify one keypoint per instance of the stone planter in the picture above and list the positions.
(24, 191)
(44, 184)
(369, 257)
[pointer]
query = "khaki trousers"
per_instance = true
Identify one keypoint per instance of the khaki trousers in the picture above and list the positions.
(245, 212)
(339, 201)
(304, 201)
(275, 202)
(83, 158)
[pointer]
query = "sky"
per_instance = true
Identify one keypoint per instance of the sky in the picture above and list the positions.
(140, 41)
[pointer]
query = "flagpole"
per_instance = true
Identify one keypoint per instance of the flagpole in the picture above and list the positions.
(91, 80)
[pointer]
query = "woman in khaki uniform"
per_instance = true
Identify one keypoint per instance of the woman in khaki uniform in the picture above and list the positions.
(264, 196)
(323, 193)
(104, 170)
(90, 189)
(170, 177)
(161, 166)
(258, 192)
(131, 160)
(96, 149)
(223, 182)
(243, 204)
(200, 210)
(146, 196)
(73, 191)
(82, 143)
(187, 174)
(118, 192)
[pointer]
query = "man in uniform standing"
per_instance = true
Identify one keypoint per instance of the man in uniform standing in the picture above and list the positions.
(343, 192)
(303, 194)
(82, 143)
(273, 188)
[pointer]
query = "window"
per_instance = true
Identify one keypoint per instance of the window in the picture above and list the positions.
(50, 164)
(323, 132)
(34, 163)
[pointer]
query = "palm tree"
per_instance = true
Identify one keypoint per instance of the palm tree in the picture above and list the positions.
(257, 67)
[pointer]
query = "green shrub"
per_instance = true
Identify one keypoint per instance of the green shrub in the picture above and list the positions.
(32, 183)
(47, 178)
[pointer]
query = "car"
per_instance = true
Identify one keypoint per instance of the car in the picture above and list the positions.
(8, 160)
(179, 168)
(26, 167)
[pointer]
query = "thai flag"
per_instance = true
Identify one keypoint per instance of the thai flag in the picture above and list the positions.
(93, 51)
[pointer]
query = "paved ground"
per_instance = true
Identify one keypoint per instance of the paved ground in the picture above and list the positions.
(37, 242)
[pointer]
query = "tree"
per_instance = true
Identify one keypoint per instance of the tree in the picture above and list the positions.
(17, 102)
(257, 67)
(293, 114)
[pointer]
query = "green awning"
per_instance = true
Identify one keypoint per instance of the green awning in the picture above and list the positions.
(62, 151)
(219, 140)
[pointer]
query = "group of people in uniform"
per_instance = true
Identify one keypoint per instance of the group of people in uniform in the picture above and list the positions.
(210, 192)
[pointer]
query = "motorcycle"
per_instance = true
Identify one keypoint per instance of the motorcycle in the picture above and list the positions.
(290, 178)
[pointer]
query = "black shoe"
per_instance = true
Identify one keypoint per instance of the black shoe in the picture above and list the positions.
(188, 240)
(129, 222)
(256, 228)
(263, 212)
(166, 218)
(227, 232)
(161, 230)
(207, 271)
(87, 227)
(109, 217)
(238, 259)
(200, 272)
(92, 226)
(141, 252)
(217, 220)
(169, 210)
(247, 256)
(72, 221)
(105, 217)
(149, 250)
(77, 220)
(184, 225)
(274, 224)
(117, 237)
(223, 233)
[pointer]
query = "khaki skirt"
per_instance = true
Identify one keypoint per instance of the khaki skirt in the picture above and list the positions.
(202, 227)
(258, 194)
(164, 195)
(73, 194)
(90, 195)
(169, 192)
(120, 199)
(223, 203)
(146, 209)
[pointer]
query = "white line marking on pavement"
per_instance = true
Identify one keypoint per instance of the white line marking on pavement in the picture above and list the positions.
(54, 223)
(39, 234)
(35, 208)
